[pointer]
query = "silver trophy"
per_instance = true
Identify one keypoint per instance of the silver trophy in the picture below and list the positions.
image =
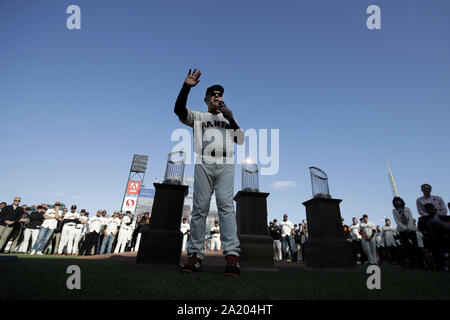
(319, 183)
(175, 168)
(250, 180)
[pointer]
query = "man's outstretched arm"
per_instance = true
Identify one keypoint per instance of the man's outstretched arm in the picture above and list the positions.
(180, 105)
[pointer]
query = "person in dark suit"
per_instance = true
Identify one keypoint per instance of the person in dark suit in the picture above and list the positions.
(17, 234)
(9, 216)
(439, 234)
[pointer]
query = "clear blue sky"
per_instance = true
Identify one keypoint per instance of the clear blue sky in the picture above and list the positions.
(76, 105)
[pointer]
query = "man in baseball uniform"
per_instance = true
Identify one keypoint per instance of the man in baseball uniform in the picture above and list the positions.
(101, 234)
(110, 231)
(215, 237)
(68, 230)
(214, 135)
(356, 241)
(368, 232)
(184, 228)
(80, 226)
(124, 233)
(389, 233)
(94, 226)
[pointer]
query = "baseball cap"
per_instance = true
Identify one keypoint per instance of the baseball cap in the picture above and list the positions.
(73, 207)
(365, 216)
(216, 87)
(57, 203)
(83, 210)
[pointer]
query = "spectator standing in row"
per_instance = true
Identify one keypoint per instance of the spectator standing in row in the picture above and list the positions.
(389, 233)
(420, 247)
(405, 226)
(184, 228)
(439, 232)
(68, 230)
(53, 244)
(101, 233)
(143, 224)
(381, 246)
(286, 227)
(49, 224)
(110, 232)
(292, 244)
(298, 243)
(124, 233)
(92, 233)
(355, 235)
(368, 232)
(32, 229)
(215, 237)
(276, 236)
(80, 228)
(10, 215)
(17, 234)
(437, 202)
(346, 229)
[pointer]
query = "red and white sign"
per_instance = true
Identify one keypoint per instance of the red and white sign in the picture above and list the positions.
(129, 204)
(133, 187)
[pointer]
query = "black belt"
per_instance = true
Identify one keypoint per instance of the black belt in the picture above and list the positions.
(213, 154)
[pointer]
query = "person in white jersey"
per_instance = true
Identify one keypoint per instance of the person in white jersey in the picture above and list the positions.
(124, 233)
(215, 237)
(68, 230)
(184, 228)
(79, 231)
(214, 134)
(368, 233)
(51, 217)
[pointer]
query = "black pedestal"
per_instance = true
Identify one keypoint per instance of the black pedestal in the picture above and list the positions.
(161, 243)
(326, 247)
(253, 232)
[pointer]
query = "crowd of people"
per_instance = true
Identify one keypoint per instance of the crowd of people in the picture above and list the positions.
(288, 239)
(53, 229)
(422, 243)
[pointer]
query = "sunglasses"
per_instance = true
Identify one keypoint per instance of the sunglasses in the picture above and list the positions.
(214, 93)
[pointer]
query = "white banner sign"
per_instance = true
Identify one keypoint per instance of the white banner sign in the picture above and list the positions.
(129, 204)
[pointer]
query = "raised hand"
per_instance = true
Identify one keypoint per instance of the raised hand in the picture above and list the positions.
(193, 77)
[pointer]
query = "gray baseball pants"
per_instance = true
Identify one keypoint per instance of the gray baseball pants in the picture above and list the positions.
(209, 178)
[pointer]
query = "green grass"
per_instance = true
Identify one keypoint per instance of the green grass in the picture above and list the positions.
(44, 277)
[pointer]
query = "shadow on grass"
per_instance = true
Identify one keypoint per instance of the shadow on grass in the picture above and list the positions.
(118, 277)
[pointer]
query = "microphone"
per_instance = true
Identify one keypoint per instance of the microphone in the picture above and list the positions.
(221, 106)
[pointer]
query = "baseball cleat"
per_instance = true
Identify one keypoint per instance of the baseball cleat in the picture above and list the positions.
(232, 269)
(194, 264)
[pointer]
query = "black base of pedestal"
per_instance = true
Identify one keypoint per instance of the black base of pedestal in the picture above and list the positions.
(326, 247)
(256, 252)
(160, 247)
(329, 254)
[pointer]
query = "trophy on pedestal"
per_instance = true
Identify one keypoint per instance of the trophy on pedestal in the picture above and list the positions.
(251, 216)
(326, 247)
(175, 168)
(161, 243)
(250, 180)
